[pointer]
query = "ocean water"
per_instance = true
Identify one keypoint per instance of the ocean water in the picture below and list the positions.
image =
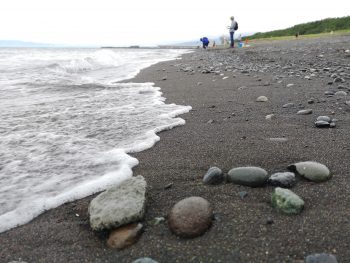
(67, 125)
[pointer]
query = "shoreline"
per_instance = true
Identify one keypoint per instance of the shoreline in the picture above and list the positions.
(239, 135)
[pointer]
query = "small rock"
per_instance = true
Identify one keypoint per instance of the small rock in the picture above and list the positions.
(262, 99)
(329, 93)
(332, 125)
(278, 139)
(324, 118)
(190, 217)
(119, 205)
(210, 121)
(285, 180)
(242, 194)
(213, 176)
(311, 101)
(144, 260)
(270, 117)
(313, 171)
(286, 201)
(269, 221)
(290, 85)
(124, 236)
(288, 105)
(321, 258)
(248, 176)
(168, 186)
(322, 124)
(341, 93)
(305, 112)
(165, 78)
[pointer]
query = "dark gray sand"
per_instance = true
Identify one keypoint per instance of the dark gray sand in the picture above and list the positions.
(238, 136)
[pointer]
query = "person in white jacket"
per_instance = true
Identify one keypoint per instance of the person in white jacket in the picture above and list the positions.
(232, 28)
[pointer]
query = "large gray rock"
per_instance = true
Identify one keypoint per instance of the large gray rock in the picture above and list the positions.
(286, 201)
(248, 176)
(321, 258)
(213, 176)
(312, 171)
(119, 205)
(190, 217)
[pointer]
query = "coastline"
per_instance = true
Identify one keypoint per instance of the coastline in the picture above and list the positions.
(238, 136)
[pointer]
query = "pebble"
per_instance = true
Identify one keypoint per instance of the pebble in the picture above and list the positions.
(213, 176)
(288, 105)
(270, 117)
(210, 121)
(341, 93)
(144, 260)
(290, 85)
(248, 176)
(157, 220)
(311, 101)
(312, 171)
(262, 99)
(125, 236)
(329, 93)
(321, 258)
(285, 180)
(305, 112)
(269, 221)
(284, 200)
(190, 217)
(242, 194)
(278, 139)
(322, 124)
(324, 118)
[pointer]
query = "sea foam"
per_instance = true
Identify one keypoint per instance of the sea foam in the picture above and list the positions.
(67, 138)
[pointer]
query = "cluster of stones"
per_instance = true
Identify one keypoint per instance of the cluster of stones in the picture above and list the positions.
(282, 199)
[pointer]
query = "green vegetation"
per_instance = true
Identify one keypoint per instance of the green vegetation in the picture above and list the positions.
(311, 28)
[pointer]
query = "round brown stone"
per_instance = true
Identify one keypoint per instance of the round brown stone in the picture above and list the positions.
(190, 217)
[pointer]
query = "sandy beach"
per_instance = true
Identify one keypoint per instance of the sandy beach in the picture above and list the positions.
(227, 128)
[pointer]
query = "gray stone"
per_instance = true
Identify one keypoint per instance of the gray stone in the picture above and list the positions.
(144, 260)
(290, 85)
(242, 194)
(262, 99)
(321, 258)
(288, 105)
(119, 205)
(305, 112)
(248, 176)
(285, 180)
(324, 118)
(312, 171)
(322, 124)
(213, 176)
(270, 117)
(286, 201)
(332, 125)
(329, 93)
(278, 139)
(341, 93)
(190, 217)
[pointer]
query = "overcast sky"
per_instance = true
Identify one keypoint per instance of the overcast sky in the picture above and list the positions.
(148, 22)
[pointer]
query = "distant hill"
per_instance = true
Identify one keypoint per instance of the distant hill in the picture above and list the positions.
(18, 43)
(316, 27)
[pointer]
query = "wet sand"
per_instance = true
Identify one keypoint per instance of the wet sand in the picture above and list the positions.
(238, 135)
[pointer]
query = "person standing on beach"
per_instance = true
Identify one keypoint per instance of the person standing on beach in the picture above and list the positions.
(205, 42)
(233, 28)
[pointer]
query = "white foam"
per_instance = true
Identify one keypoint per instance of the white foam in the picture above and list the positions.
(62, 143)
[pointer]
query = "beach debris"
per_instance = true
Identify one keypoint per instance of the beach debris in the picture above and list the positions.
(125, 236)
(305, 112)
(144, 260)
(190, 217)
(119, 205)
(262, 99)
(213, 176)
(248, 176)
(285, 180)
(321, 258)
(312, 171)
(284, 200)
